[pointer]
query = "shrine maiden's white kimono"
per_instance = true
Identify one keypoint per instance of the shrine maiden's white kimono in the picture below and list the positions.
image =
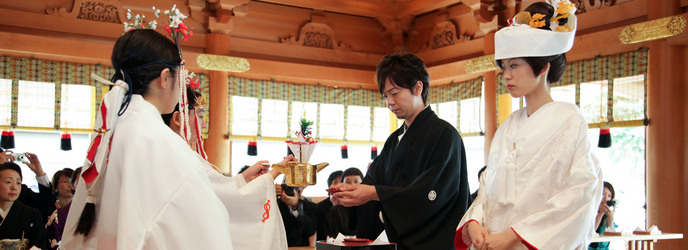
(256, 221)
(541, 180)
(155, 193)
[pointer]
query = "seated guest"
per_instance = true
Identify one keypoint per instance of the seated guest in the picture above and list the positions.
(324, 206)
(18, 220)
(341, 219)
(56, 221)
(298, 216)
(44, 200)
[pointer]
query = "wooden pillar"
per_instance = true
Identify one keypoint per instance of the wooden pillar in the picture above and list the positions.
(217, 144)
(490, 91)
(666, 144)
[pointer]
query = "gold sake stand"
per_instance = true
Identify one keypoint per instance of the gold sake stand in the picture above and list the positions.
(298, 174)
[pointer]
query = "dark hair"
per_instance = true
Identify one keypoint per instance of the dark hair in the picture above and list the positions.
(403, 70)
(68, 172)
(138, 58)
(557, 63)
(481, 171)
(352, 171)
(609, 186)
(334, 175)
(75, 175)
(243, 169)
(191, 96)
(11, 166)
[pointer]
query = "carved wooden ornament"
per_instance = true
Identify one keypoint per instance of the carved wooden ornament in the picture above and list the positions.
(651, 30)
(107, 11)
(481, 64)
(316, 34)
(223, 63)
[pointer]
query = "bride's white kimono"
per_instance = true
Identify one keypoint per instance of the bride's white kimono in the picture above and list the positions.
(541, 181)
(154, 194)
(256, 221)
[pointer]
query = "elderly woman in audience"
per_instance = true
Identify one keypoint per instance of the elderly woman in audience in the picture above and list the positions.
(44, 200)
(18, 221)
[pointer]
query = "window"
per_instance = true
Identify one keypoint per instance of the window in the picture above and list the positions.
(565, 93)
(470, 115)
(5, 101)
(308, 110)
(516, 103)
(629, 98)
(381, 126)
(593, 101)
(475, 159)
(46, 146)
(274, 118)
(448, 111)
(244, 115)
(358, 123)
(623, 165)
(331, 121)
(76, 106)
(36, 104)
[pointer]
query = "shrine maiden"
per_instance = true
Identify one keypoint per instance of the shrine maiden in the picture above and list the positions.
(542, 186)
(151, 191)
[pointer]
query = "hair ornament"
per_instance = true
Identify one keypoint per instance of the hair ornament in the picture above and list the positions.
(526, 36)
(139, 22)
(536, 20)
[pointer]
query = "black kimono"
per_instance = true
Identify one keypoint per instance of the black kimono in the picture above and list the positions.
(340, 219)
(43, 201)
(422, 185)
(321, 212)
(27, 220)
(298, 229)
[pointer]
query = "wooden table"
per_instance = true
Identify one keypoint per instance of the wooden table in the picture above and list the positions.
(638, 241)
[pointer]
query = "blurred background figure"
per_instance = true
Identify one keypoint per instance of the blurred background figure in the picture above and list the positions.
(605, 216)
(324, 206)
(341, 219)
(298, 216)
(56, 222)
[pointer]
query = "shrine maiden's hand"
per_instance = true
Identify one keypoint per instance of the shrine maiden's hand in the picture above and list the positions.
(355, 195)
(475, 233)
(504, 240)
(256, 170)
(284, 162)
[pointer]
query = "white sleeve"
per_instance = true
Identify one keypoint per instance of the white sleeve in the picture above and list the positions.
(43, 180)
(194, 203)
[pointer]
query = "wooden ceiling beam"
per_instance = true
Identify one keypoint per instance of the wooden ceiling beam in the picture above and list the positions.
(417, 7)
(351, 7)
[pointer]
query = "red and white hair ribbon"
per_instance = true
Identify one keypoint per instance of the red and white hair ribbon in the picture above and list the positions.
(97, 157)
